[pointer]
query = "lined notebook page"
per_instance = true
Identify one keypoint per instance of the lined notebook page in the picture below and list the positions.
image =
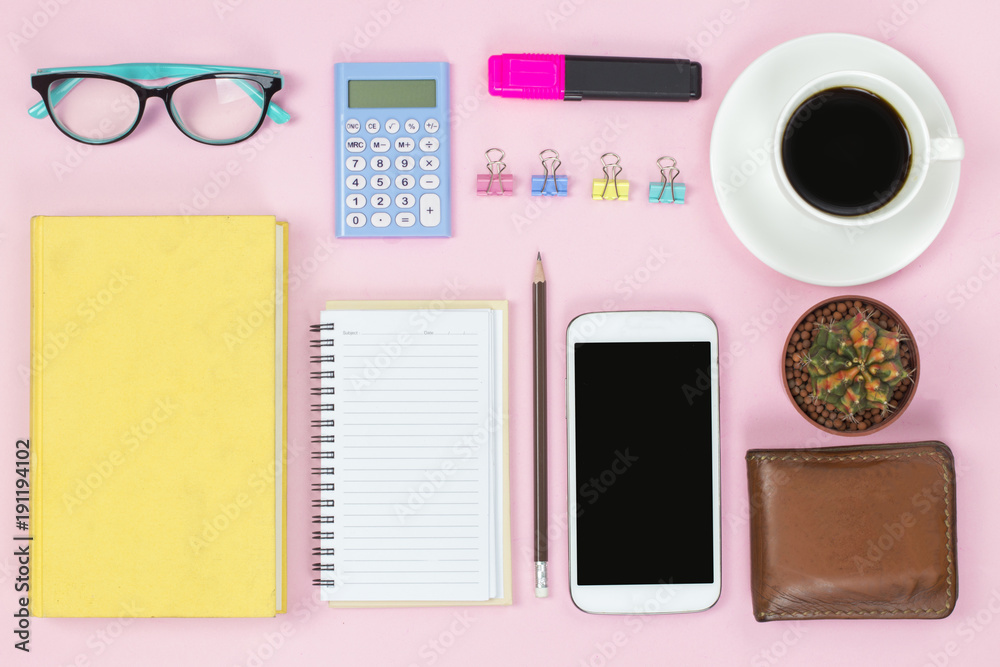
(415, 477)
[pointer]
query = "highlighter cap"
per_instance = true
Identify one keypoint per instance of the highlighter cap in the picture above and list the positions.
(528, 75)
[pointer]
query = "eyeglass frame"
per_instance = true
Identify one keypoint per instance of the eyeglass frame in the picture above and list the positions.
(269, 80)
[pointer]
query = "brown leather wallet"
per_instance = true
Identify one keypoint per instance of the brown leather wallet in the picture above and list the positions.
(853, 532)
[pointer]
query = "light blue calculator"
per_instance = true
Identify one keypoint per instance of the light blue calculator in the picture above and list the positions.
(393, 155)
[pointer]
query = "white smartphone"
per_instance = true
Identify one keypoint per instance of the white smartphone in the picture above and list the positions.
(642, 409)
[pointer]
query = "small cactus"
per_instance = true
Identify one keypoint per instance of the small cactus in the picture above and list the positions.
(854, 364)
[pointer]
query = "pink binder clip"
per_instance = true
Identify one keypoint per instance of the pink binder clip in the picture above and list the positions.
(496, 182)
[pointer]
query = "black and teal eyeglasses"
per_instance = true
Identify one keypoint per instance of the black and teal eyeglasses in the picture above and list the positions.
(213, 105)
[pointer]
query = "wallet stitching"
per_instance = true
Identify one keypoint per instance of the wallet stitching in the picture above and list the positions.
(947, 523)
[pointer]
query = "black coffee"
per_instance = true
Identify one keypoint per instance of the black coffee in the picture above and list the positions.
(846, 151)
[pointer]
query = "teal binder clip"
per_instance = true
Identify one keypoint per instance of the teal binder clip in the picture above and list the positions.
(549, 185)
(667, 191)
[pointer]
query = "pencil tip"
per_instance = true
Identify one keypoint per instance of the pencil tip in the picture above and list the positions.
(539, 258)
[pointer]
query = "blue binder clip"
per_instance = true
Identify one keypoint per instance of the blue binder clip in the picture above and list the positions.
(667, 191)
(549, 185)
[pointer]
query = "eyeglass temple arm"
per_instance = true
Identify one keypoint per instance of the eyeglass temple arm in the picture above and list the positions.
(153, 71)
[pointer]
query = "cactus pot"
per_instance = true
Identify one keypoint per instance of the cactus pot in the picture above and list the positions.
(794, 373)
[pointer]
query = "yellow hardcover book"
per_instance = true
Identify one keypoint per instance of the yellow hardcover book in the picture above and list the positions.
(158, 394)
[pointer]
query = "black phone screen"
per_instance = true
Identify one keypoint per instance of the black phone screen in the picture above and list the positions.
(643, 463)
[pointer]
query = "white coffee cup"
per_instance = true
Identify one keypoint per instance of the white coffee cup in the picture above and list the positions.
(924, 148)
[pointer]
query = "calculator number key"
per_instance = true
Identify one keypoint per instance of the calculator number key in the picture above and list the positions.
(356, 182)
(381, 163)
(429, 144)
(429, 163)
(381, 182)
(381, 201)
(356, 163)
(404, 145)
(356, 220)
(405, 181)
(405, 200)
(356, 201)
(405, 163)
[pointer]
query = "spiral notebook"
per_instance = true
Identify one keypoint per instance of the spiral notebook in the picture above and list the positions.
(412, 475)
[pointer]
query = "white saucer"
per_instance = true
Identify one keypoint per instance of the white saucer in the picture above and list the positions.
(779, 234)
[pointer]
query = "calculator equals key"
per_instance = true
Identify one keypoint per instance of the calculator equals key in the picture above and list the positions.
(393, 153)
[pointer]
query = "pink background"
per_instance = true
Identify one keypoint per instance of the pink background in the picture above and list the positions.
(590, 248)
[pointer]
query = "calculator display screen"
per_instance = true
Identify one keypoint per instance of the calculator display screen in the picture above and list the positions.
(384, 94)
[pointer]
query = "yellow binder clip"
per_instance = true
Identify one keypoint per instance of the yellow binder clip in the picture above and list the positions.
(610, 188)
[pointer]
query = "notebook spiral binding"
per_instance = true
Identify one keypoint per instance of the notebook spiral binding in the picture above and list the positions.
(324, 458)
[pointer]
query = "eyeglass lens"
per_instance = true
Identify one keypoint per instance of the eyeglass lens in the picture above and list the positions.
(218, 109)
(213, 110)
(95, 110)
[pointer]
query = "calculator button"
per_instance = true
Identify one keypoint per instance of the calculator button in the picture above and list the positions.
(429, 144)
(381, 219)
(381, 163)
(404, 181)
(429, 163)
(381, 201)
(404, 145)
(356, 163)
(430, 210)
(431, 125)
(405, 200)
(356, 201)
(404, 163)
(355, 182)
(405, 219)
(356, 220)
(411, 125)
(429, 181)
(392, 126)
(381, 182)
(356, 145)
(353, 125)
(372, 125)
(380, 144)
